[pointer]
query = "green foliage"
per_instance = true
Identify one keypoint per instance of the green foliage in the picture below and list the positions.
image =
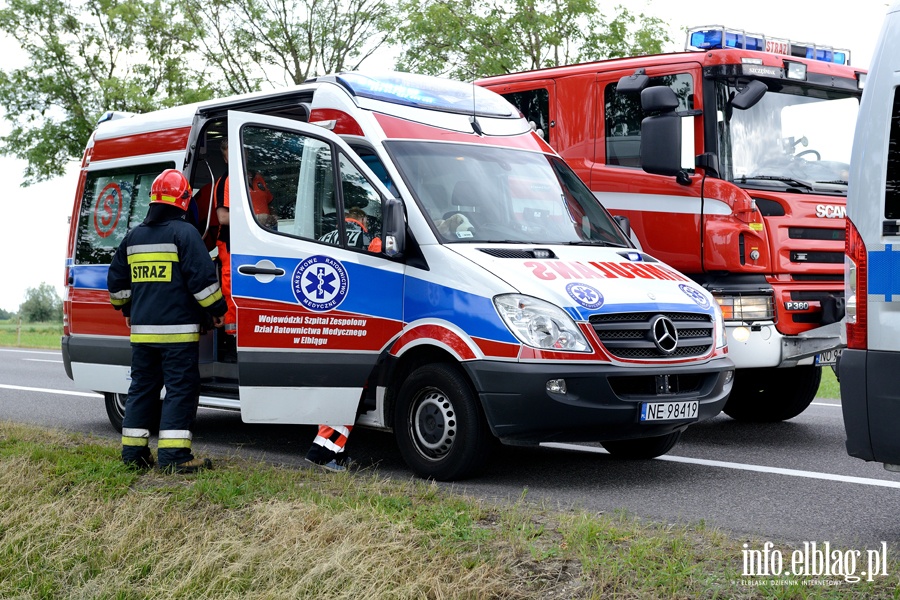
(6, 315)
(87, 57)
(256, 42)
(467, 39)
(41, 304)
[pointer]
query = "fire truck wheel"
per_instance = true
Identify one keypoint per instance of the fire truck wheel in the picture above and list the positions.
(642, 448)
(770, 395)
(440, 429)
(115, 410)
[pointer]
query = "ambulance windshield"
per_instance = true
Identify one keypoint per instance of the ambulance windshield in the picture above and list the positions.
(796, 136)
(473, 193)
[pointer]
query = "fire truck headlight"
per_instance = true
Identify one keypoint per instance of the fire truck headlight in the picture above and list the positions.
(539, 324)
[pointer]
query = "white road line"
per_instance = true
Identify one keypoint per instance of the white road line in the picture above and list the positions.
(825, 404)
(42, 360)
(28, 351)
(743, 467)
(49, 391)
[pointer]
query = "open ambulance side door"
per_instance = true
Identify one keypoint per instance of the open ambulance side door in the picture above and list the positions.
(317, 301)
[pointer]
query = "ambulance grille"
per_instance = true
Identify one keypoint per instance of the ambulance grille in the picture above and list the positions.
(630, 335)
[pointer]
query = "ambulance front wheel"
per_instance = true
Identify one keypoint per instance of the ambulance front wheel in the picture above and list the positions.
(440, 429)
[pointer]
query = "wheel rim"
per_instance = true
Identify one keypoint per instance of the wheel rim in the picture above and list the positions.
(120, 400)
(433, 424)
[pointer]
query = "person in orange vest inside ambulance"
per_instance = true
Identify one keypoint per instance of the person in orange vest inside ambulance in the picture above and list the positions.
(260, 198)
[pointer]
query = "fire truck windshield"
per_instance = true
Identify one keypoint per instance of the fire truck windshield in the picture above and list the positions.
(796, 136)
(474, 193)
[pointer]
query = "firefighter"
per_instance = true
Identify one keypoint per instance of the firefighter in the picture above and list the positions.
(163, 281)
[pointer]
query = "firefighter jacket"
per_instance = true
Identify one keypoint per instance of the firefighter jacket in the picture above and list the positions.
(162, 277)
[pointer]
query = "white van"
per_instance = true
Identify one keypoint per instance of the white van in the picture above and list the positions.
(434, 269)
(868, 367)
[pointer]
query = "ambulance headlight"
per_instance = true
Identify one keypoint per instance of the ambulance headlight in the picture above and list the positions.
(540, 324)
(720, 329)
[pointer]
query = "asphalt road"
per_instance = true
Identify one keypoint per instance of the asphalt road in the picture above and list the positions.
(785, 482)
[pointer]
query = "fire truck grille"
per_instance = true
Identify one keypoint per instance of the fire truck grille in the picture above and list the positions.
(632, 335)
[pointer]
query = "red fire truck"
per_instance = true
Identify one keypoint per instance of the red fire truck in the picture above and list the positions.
(730, 161)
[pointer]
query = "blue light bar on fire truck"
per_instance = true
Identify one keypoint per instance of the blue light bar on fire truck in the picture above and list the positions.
(715, 37)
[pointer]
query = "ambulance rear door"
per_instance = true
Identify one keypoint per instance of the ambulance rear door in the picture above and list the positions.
(317, 301)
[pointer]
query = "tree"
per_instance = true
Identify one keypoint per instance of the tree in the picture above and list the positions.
(41, 304)
(277, 42)
(87, 57)
(5, 315)
(467, 39)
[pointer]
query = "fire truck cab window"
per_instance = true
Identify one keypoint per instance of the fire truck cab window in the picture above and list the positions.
(623, 116)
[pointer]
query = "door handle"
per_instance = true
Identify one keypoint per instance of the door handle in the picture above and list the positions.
(253, 270)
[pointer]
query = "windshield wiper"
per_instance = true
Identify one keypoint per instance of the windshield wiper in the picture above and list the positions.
(788, 180)
(836, 182)
(595, 243)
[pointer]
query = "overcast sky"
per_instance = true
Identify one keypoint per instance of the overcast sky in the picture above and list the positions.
(34, 228)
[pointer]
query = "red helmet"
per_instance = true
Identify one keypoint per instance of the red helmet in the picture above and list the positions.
(171, 187)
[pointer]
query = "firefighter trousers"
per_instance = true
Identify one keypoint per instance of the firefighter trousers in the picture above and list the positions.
(175, 365)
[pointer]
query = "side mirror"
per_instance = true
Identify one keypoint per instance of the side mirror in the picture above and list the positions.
(624, 224)
(750, 95)
(633, 84)
(394, 224)
(660, 132)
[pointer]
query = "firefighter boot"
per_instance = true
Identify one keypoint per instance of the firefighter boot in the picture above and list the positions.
(191, 466)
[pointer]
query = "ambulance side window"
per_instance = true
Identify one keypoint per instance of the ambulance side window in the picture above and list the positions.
(623, 115)
(300, 174)
(113, 201)
(362, 207)
(892, 184)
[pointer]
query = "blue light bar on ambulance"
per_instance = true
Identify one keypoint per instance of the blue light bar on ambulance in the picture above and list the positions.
(424, 91)
(716, 37)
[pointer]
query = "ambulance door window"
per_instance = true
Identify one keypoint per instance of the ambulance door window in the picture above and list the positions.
(362, 209)
(623, 115)
(299, 174)
(892, 184)
(535, 106)
(113, 201)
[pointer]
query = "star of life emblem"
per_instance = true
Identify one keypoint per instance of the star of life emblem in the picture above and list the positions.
(585, 295)
(320, 283)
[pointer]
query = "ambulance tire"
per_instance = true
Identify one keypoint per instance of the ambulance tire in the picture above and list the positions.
(642, 448)
(771, 395)
(439, 425)
(115, 410)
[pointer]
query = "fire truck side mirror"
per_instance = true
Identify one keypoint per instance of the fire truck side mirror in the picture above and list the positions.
(660, 132)
(750, 95)
(394, 228)
(632, 84)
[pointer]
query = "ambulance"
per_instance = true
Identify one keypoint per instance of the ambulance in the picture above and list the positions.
(868, 367)
(432, 268)
(731, 161)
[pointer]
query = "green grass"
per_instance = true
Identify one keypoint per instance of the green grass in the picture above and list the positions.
(30, 335)
(829, 386)
(75, 523)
